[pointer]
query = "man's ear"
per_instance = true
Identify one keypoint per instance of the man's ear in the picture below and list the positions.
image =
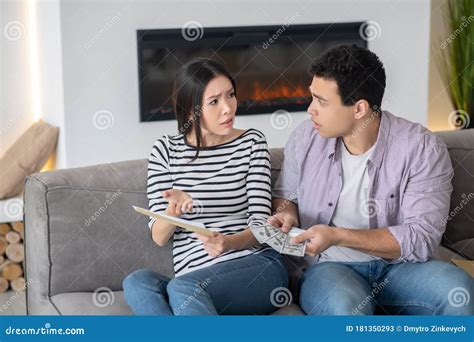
(361, 109)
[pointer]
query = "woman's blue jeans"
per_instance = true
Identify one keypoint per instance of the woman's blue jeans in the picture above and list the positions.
(244, 286)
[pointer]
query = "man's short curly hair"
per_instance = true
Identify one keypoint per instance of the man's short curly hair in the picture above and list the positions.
(358, 72)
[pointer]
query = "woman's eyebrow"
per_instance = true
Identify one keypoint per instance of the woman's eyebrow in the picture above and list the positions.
(217, 95)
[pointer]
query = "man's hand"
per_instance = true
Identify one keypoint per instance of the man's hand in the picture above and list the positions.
(179, 202)
(285, 221)
(320, 237)
(215, 245)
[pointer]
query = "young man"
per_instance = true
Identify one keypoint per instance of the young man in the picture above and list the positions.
(372, 190)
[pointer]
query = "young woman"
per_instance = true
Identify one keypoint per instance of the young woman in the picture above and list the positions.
(218, 175)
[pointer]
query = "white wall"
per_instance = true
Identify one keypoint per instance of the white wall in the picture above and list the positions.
(51, 73)
(16, 108)
(99, 63)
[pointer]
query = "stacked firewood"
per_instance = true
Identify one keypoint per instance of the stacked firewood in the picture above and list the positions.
(12, 256)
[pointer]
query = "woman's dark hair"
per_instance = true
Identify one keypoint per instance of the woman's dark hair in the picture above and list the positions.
(358, 72)
(188, 92)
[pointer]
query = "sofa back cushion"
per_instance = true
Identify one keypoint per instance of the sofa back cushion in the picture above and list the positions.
(459, 234)
(82, 232)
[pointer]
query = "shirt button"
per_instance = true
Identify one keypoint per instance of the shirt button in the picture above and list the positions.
(330, 204)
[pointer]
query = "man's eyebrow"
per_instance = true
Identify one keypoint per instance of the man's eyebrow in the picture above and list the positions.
(317, 96)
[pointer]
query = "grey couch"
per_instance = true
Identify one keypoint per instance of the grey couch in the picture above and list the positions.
(82, 236)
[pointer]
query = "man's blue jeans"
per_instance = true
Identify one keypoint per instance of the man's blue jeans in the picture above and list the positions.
(244, 286)
(430, 288)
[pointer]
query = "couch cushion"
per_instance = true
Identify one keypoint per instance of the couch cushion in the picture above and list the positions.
(289, 310)
(276, 159)
(87, 224)
(88, 303)
(113, 303)
(459, 234)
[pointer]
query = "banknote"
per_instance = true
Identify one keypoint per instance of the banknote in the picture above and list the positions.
(280, 241)
(263, 233)
(277, 242)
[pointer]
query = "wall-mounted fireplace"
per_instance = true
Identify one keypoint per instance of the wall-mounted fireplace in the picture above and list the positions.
(269, 63)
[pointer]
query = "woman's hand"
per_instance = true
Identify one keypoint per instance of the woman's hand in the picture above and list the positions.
(179, 202)
(215, 245)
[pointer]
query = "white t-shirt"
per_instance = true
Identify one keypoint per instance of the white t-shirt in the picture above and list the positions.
(350, 211)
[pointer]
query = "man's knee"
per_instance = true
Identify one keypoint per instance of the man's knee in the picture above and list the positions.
(454, 292)
(338, 303)
(334, 289)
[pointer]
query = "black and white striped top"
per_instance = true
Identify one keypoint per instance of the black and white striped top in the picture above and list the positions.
(230, 185)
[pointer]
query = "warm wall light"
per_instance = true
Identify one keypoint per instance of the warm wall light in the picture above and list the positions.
(34, 62)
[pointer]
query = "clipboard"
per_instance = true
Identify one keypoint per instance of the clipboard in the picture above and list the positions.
(195, 227)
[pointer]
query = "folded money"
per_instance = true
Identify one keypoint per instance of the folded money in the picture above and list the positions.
(263, 233)
(280, 241)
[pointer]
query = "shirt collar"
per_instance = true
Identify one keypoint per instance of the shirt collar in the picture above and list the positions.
(381, 143)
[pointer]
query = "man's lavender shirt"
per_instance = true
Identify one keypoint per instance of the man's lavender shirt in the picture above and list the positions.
(410, 182)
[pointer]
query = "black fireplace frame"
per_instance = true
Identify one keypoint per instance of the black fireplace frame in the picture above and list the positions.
(166, 38)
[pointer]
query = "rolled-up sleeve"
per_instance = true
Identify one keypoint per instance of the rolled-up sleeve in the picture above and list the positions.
(286, 186)
(425, 202)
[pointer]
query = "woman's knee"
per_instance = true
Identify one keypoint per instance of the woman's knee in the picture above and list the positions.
(143, 278)
(183, 285)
